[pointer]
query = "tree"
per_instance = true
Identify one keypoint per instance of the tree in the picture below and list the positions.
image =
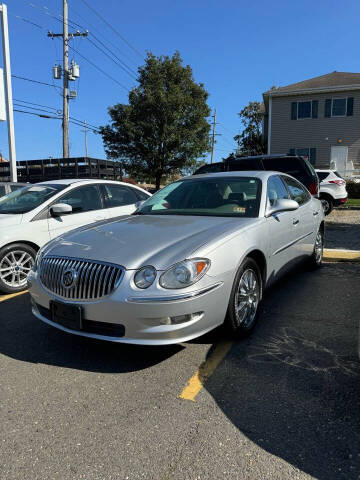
(250, 140)
(163, 129)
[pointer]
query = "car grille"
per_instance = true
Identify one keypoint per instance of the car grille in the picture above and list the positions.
(94, 280)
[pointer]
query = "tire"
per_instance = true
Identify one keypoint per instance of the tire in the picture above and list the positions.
(315, 261)
(327, 204)
(16, 261)
(241, 321)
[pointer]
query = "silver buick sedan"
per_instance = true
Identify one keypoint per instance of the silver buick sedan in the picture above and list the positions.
(199, 253)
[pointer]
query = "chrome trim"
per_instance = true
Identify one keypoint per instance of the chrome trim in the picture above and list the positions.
(96, 279)
(281, 249)
(172, 298)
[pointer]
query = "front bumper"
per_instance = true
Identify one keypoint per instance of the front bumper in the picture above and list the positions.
(140, 318)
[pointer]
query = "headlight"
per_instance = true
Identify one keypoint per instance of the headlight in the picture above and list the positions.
(185, 273)
(145, 277)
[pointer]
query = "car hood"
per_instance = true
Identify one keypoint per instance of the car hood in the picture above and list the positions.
(9, 219)
(146, 240)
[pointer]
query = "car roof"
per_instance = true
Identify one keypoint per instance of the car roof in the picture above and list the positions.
(261, 174)
(70, 181)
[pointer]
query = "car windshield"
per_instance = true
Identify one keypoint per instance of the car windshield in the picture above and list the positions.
(28, 198)
(218, 197)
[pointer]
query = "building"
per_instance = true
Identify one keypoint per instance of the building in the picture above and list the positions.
(318, 118)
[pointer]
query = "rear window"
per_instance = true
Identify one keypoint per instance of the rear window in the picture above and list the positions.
(322, 175)
(245, 164)
(290, 165)
(211, 168)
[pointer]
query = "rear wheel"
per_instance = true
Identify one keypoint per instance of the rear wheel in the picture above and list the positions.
(245, 297)
(16, 262)
(317, 255)
(327, 204)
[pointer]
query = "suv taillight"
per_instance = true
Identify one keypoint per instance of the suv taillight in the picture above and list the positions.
(313, 188)
(338, 182)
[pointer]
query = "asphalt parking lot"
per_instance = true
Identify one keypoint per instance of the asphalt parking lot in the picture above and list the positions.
(282, 404)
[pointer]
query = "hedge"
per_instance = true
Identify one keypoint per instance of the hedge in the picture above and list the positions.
(353, 189)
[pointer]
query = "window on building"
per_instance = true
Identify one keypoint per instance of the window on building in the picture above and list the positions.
(306, 109)
(308, 153)
(339, 107)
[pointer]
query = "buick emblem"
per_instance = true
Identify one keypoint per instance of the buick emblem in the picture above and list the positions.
(69, 278)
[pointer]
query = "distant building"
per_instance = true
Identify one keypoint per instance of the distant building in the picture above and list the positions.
(318, 118)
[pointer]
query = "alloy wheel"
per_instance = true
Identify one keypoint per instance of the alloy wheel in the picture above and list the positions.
(247, 298)
(318, 248)
(15, 267)
(325, 205)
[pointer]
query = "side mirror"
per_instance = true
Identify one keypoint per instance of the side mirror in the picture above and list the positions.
(60, 209)
(282, 205)
(139, 203)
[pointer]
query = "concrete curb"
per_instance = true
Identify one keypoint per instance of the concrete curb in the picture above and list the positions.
(338, 255)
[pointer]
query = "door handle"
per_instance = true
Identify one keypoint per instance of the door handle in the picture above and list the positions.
(295, 222)
(315, 213)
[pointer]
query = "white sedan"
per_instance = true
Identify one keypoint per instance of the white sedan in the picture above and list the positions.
(32, 216)
(197, 253)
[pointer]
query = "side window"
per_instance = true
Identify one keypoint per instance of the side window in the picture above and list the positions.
(140, 195)
(118, 196)
(276, 190)
(83, 199)
(297, 191)
(2, 190)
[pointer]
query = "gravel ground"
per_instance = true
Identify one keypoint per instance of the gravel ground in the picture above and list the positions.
(344, 216)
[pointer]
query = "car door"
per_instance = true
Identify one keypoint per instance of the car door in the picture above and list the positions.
(119, 199)
(87, 208)
(304, 222)
(282, 231)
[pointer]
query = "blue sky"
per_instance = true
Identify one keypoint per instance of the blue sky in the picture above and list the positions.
(238, 49)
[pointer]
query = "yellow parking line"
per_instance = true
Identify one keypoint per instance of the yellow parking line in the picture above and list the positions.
(11, 295)
(205, 370)
(337, 255)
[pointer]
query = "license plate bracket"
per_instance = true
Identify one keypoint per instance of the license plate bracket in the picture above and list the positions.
(67, 315)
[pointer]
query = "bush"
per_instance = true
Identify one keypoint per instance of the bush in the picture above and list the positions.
(353, 189)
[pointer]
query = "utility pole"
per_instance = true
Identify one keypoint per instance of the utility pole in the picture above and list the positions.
(85, 133)
(8, 92)
(68, 74)
(213, 137)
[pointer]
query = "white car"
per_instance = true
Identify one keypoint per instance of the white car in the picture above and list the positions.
(332, 189)
(36, 214)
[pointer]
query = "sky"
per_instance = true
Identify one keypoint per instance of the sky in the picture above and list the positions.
(237, 49)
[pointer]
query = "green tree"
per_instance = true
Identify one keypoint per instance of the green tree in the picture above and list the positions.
(163, 129)
(250, 140)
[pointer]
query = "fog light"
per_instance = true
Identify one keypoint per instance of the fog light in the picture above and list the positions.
(181, 318)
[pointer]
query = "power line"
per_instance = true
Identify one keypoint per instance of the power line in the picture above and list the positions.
(98, 68)
(38, 105)
(113, 29)
(30, 80)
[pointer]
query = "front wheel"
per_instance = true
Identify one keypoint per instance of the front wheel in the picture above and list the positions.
(16, 262)
(245, 297)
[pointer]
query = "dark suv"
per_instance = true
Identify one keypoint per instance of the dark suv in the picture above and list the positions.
(293, 165)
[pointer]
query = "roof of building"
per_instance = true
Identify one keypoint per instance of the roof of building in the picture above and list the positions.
(334, 80)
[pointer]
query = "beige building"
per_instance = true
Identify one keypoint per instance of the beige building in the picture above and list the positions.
(318, 118)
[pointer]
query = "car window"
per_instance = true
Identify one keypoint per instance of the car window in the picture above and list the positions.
(2, 190)
(297, 191)
(322, 175)
(211, 168)
(118, 196)
(245, 164)
(27, 198)
(13, 188)
(83, 199)
(140, 194)
(276, 190)
(291, 165)
(218, 197)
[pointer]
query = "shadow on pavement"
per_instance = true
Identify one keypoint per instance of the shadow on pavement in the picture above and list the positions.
(25, 338)
(293, 387)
